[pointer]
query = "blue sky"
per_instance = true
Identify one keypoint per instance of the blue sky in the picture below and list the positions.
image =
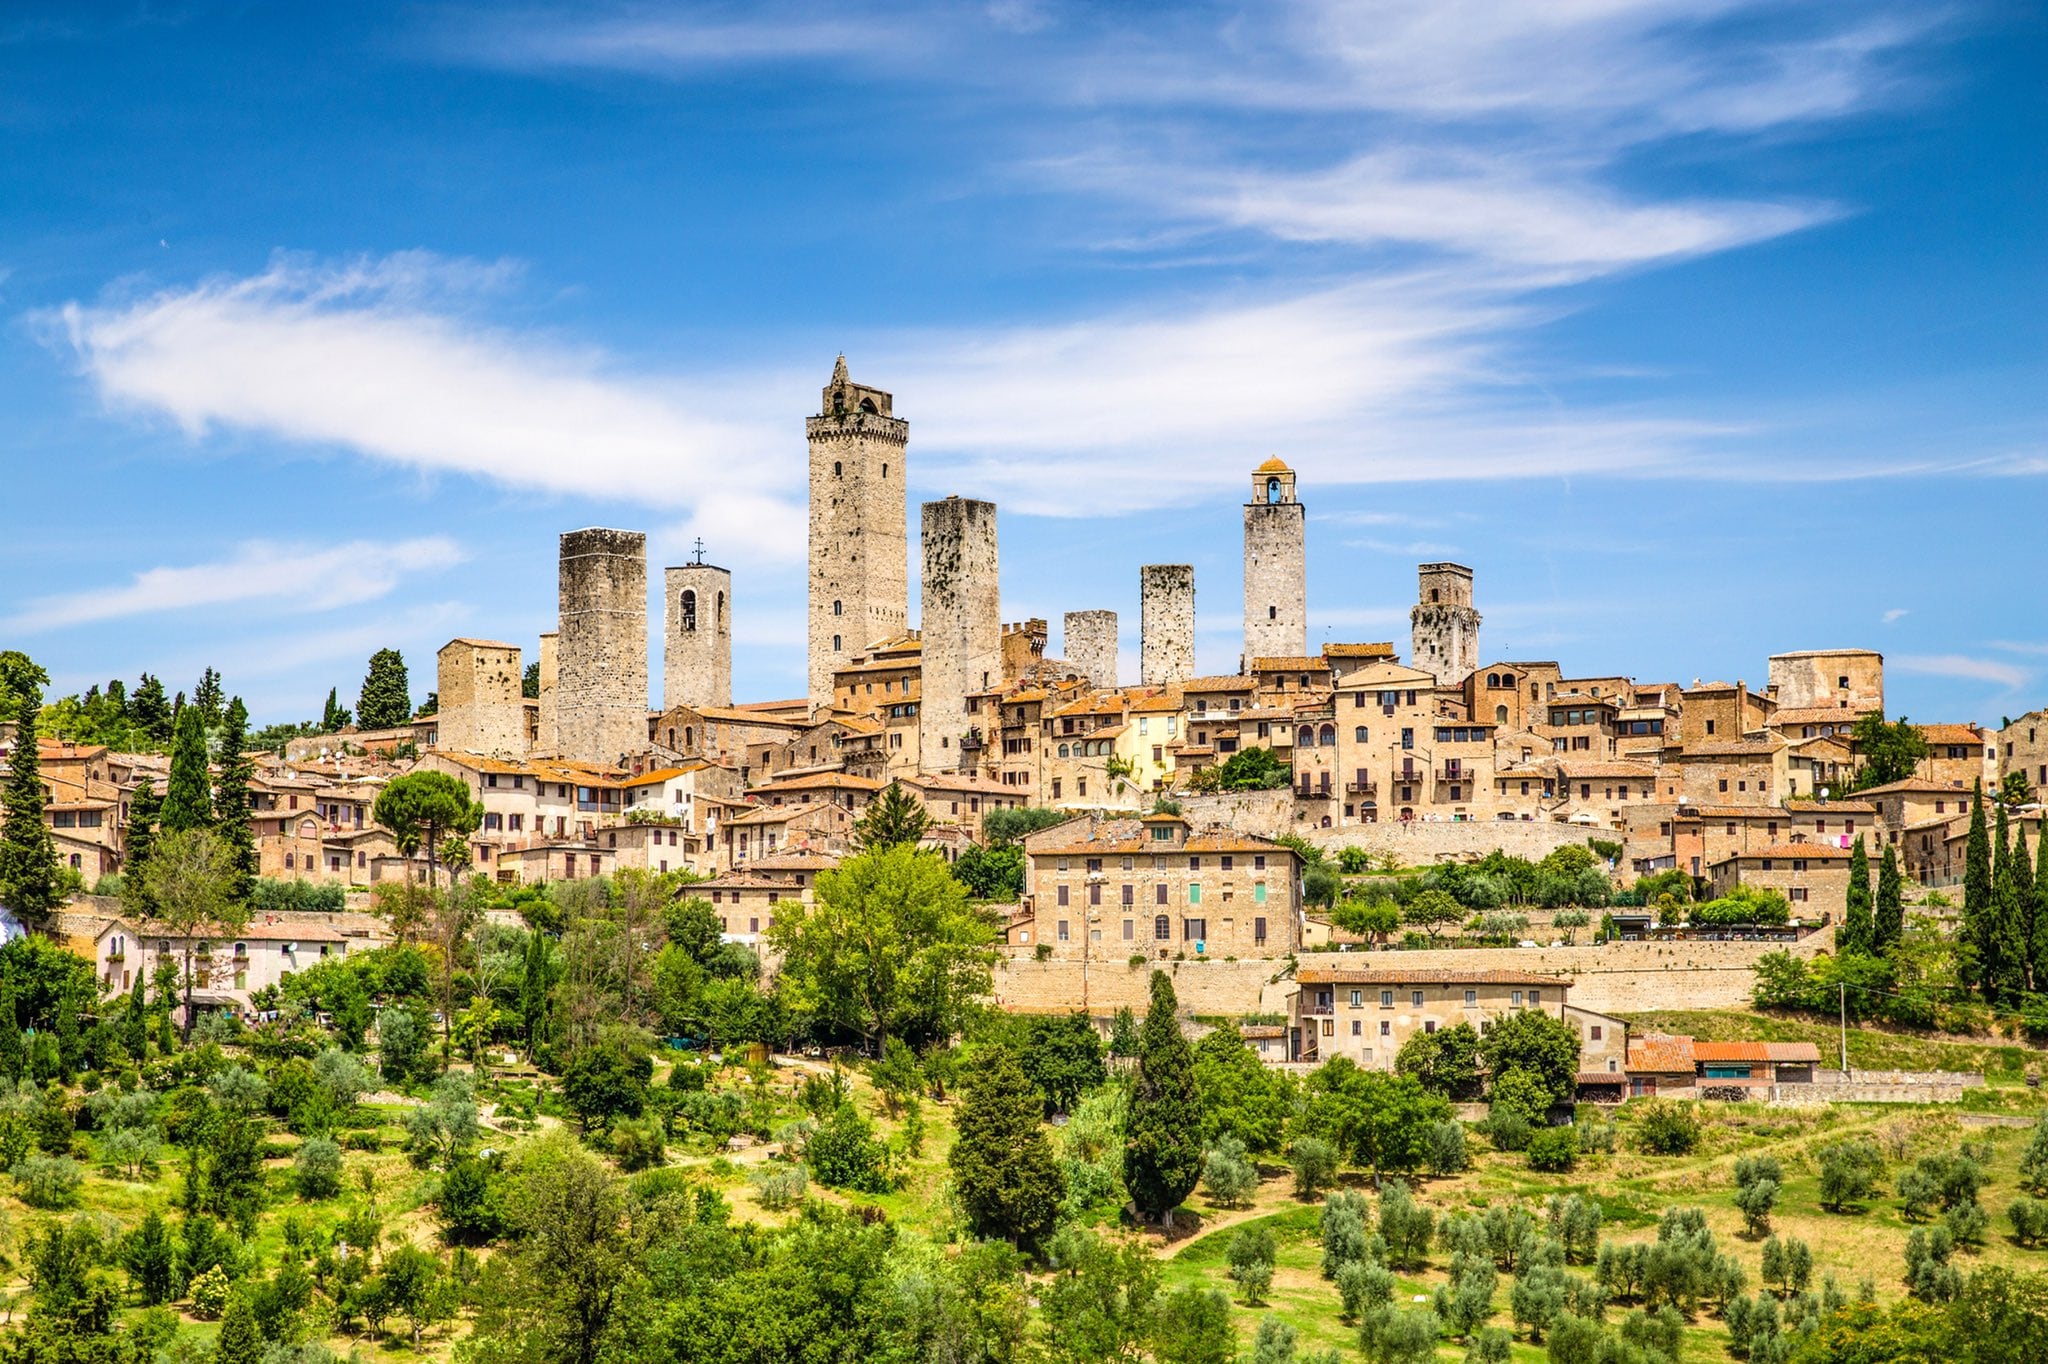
(1700, 331)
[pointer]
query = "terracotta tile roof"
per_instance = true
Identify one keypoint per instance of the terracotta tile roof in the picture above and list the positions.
(1291, 663)
(1252, 1032)
(1662, 1055)
(802, 859)
(1832, 807)
(1375, 650)
(1423, 975)
(736, 715)
(820, 780)
(1754, 1051)
(1732, 748)
(1951, 734)
(1825, 852)
(661, 774)
(1913, 785)
(959, 781)
(781, 814)
(1632, 771)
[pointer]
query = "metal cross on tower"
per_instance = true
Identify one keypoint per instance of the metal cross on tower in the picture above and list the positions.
(700, 550)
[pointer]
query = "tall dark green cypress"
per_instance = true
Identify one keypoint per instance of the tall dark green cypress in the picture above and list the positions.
(2037, 940)
(2024, 909)
(13, 1049)
(1888, 926)
(188, 800)
(135, 1021)
(386, 699)
(30, 883)
(1977, 909)
(2005, 954)
(138, 838)
(231, 796)
(1009, 1181)
(1857, 934)
(1163, 1129)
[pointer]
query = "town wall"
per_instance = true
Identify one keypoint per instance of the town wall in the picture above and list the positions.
(1090, 645)
(1023, 985)
(601, 706)
(961, 623)
(1166, 600)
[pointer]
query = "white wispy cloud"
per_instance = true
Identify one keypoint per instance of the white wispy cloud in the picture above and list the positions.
(302, 576)
(1895, 614)
(2007, 675)
(386, 357)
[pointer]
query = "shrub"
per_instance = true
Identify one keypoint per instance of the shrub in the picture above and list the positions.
(316, 1169)
(49, 1182)
(1314, 1162)
(1507, 1130)
(639, 1143)
(1755, 1201)
(1444, 1152)
(1554, 1150)
(209, 1293)
(844, 1154)
(2029, 1218)
(1668, 1128)
(1849, 1170)
(780, 1187)
(1363, 1286)
(1344, 1234)
(1251, 1262)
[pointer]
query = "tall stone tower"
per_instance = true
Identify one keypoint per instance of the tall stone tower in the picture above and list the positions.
(1446, 628)
(860, 548)
(1091, 645)
(548, 741)
(696, 632)
(1275, 567)
(601, 664)
(1166, 620)
(962, 627)
(482, 707)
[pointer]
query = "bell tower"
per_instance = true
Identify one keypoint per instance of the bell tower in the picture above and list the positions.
(1275, 567)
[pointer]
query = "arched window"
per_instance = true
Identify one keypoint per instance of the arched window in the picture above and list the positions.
(1493, 679)
(835, 468)
(867, 405)
(838, 608)
(718, 620)
(689, 611)
(1162, 927)
(1328, 735)
(1500, 715)
(1358, 735)
(689, 735)
(671, 736)
(1063, 751)
(1305, 737)
(1272, 490)
(835, 644)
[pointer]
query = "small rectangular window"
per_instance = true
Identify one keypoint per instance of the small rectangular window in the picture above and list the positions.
(1471, 997)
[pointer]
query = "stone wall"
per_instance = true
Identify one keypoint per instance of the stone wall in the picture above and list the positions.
(1418, 843)
(602, 693)
(482, 710)
(1202, 987)
(859, 538)
(1275, 581)
(696, 665)
(1166, 599)
(1265, 813)
(961, 622)
(1090, 645)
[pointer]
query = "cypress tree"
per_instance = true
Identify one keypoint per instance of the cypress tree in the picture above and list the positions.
(386, 700)
(335, 716)
(240, 1341)
(2024, 910)
(1857, 933)
(231, 796)
(137, 839)
(150, 711)
(2037, 938)
(206, 697)
(1009, 1181)
(135, 1022)
(1163, 1131)
(1977, 907)
(2005, 955)
(188, 800)
(1889, 924)
(13, 1050)
(892, 817)
(30, 883)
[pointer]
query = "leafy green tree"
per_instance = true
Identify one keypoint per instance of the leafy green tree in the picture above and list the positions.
(1888, 924)
(994, 874)
(207, 697)
(1373, 919)
(1009, 1181)
(891, 947)
(1061, 1054)
(150, 709)
(1252, 769)
(188, 800)
(30, 882)
(1849, 1171)
(151, 1259)
(1379, 1121)
(1162, 1131)
(1857, 933)
(1314, 1163)
(241, 1341)
(22, 681)
(1534, 1042)
(421, 806)
(1431, 910)
(1123, 1033)
(386, 700)
(844, 1154)
(892, 819)
(1445, 1061)
(1228, 1174)
(608, 1080)
(1003, 827)
(1889, 752)
(1240, 1095)
(1251, 1255)
(190, 882)
(1101, 1300)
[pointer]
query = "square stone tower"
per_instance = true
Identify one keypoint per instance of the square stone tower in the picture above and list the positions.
(1090, 645)
(961, 623)
(1166, 622)
(601, 668)
(1275, 567)
(1446, 628)
(860, 547)
(482, 707)
(548, 740)
(696, 632)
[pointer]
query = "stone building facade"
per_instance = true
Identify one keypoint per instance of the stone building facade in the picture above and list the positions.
(482, 709)
(961, 625)
(697, 636)
(1444, 623)
(859, 542)
(601, 687)
(1275, 567)
(2023, 748)
(1166, 620)
(1839, 679)
(1367, 1012)
(1090, 646)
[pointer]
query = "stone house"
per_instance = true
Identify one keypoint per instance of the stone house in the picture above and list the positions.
(1958, 755)
(554, 860)
(1385, 721)
(1717, 712)
(227, 968)
(2023, 748)
(961, 799)
(1366, 1013)
(1156, 886)
(817, 825)
(1727, 772)
(1813, 877)
(1580, 724)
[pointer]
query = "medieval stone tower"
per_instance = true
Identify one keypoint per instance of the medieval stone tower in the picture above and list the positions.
(860, 549)
(1090, 645)
(1275, 567)
(961, 623)
(601, 654)
(547, 740)
(1446, 628)
(1166, 621)
(483, 709)
(696, 608)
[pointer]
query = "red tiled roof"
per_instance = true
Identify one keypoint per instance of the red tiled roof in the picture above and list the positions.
(1661, 1054)
(1755, 1051)
(1422, 975)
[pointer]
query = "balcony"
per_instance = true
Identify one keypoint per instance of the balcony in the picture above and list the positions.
(1361, 788)
(1318, 1010)
(1457, 774)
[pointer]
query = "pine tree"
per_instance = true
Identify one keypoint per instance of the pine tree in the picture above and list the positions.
(150, 711)
(30, 883)
(13, 1048)
(892, 817)
(1163, 1131)
(1889, 924)
(240, 1341)
(188, 800)
(386, 700)
(231, 794)
(206, 698)
(1857, 932)
(1010, 1182)
(1977, 909)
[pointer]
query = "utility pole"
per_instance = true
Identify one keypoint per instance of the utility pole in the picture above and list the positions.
(1842, 990)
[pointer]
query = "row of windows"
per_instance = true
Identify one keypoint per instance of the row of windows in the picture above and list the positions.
(1560, 715)
(1226, 860)
(1191, 930)
(1128, 893)
(1457, 734)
